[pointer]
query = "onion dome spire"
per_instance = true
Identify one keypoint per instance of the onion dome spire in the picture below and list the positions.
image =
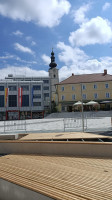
(52, 64)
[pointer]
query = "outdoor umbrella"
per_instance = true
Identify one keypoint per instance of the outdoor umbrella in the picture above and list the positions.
(92, 103)
(78, 103)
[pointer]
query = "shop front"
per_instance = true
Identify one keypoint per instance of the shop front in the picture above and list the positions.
(2, 116)
(12, 115)
(37, 115)
(25, 115)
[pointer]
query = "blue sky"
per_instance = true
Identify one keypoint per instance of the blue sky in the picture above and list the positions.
(79, 31)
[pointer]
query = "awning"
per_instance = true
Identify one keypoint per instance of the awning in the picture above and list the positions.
(106, 102)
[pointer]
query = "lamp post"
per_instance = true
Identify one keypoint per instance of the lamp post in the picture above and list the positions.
(82, 110)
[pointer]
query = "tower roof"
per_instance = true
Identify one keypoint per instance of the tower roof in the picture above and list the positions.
(52, 64)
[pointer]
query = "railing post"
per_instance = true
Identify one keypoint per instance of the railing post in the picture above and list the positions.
(4, 126)
(82, 110)
(64, 124)
(25, 126)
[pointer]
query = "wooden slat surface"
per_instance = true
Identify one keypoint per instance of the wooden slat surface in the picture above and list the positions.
(62, 178)
(62, 135)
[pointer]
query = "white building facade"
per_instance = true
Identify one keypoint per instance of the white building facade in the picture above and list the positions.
(27, 97)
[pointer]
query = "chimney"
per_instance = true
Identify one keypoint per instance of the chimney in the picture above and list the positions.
(72, 74)
(105, 72)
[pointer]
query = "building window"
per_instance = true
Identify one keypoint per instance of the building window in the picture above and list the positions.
(1, 100)
(95, 86)
(46, 81)
(83, 87)
(36, 87)
(46, 94)
(106, 85)
(73, 96)
(12, 88)
(36, 103)
(25, 100)
(37, 96)
(73, 88)
(95, 96)
(12, 100)
(84, 96)
(46, 88)
(1, 88)
(25, 87)
(62, 97)
(62, 88)
(107, 95)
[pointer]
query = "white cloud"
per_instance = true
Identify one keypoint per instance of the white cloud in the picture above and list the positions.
(106, 6)
(95, 31)
(70, 55)
(86, 67)
(17, 33)
(21, 71)
(77, 62)
(45, 13)
(79, 15)
(21, 48)
(46, 59)
(29, 39)
(33, 43)
(7, 56)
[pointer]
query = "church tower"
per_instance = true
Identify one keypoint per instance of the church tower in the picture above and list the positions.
(53, 74)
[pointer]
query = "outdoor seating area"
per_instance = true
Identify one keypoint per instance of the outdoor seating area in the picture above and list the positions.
(92, 106)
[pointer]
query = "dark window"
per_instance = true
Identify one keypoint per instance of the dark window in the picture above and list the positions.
(106, 85)
(84, 96)
(36, 103)
(46, 88)
(95, 86)
(83, 87)
(25, 100)
(62, 88)
(12, 88)
(107, 95)
(37, 96)
(25, 87)
(46, 81)
(36, 87)
(95, 95)
(12, 100)
(46, 94)
(1, 100)
(1, 88)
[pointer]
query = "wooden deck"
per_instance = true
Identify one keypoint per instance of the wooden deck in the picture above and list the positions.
(62, 135)
(59, 177)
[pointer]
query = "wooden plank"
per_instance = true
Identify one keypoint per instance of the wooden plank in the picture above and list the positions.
(60, 177)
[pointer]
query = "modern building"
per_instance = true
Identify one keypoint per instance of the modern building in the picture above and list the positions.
(24, 97)
(86, 87)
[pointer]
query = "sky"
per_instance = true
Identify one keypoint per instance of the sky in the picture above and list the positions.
(79, 31)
